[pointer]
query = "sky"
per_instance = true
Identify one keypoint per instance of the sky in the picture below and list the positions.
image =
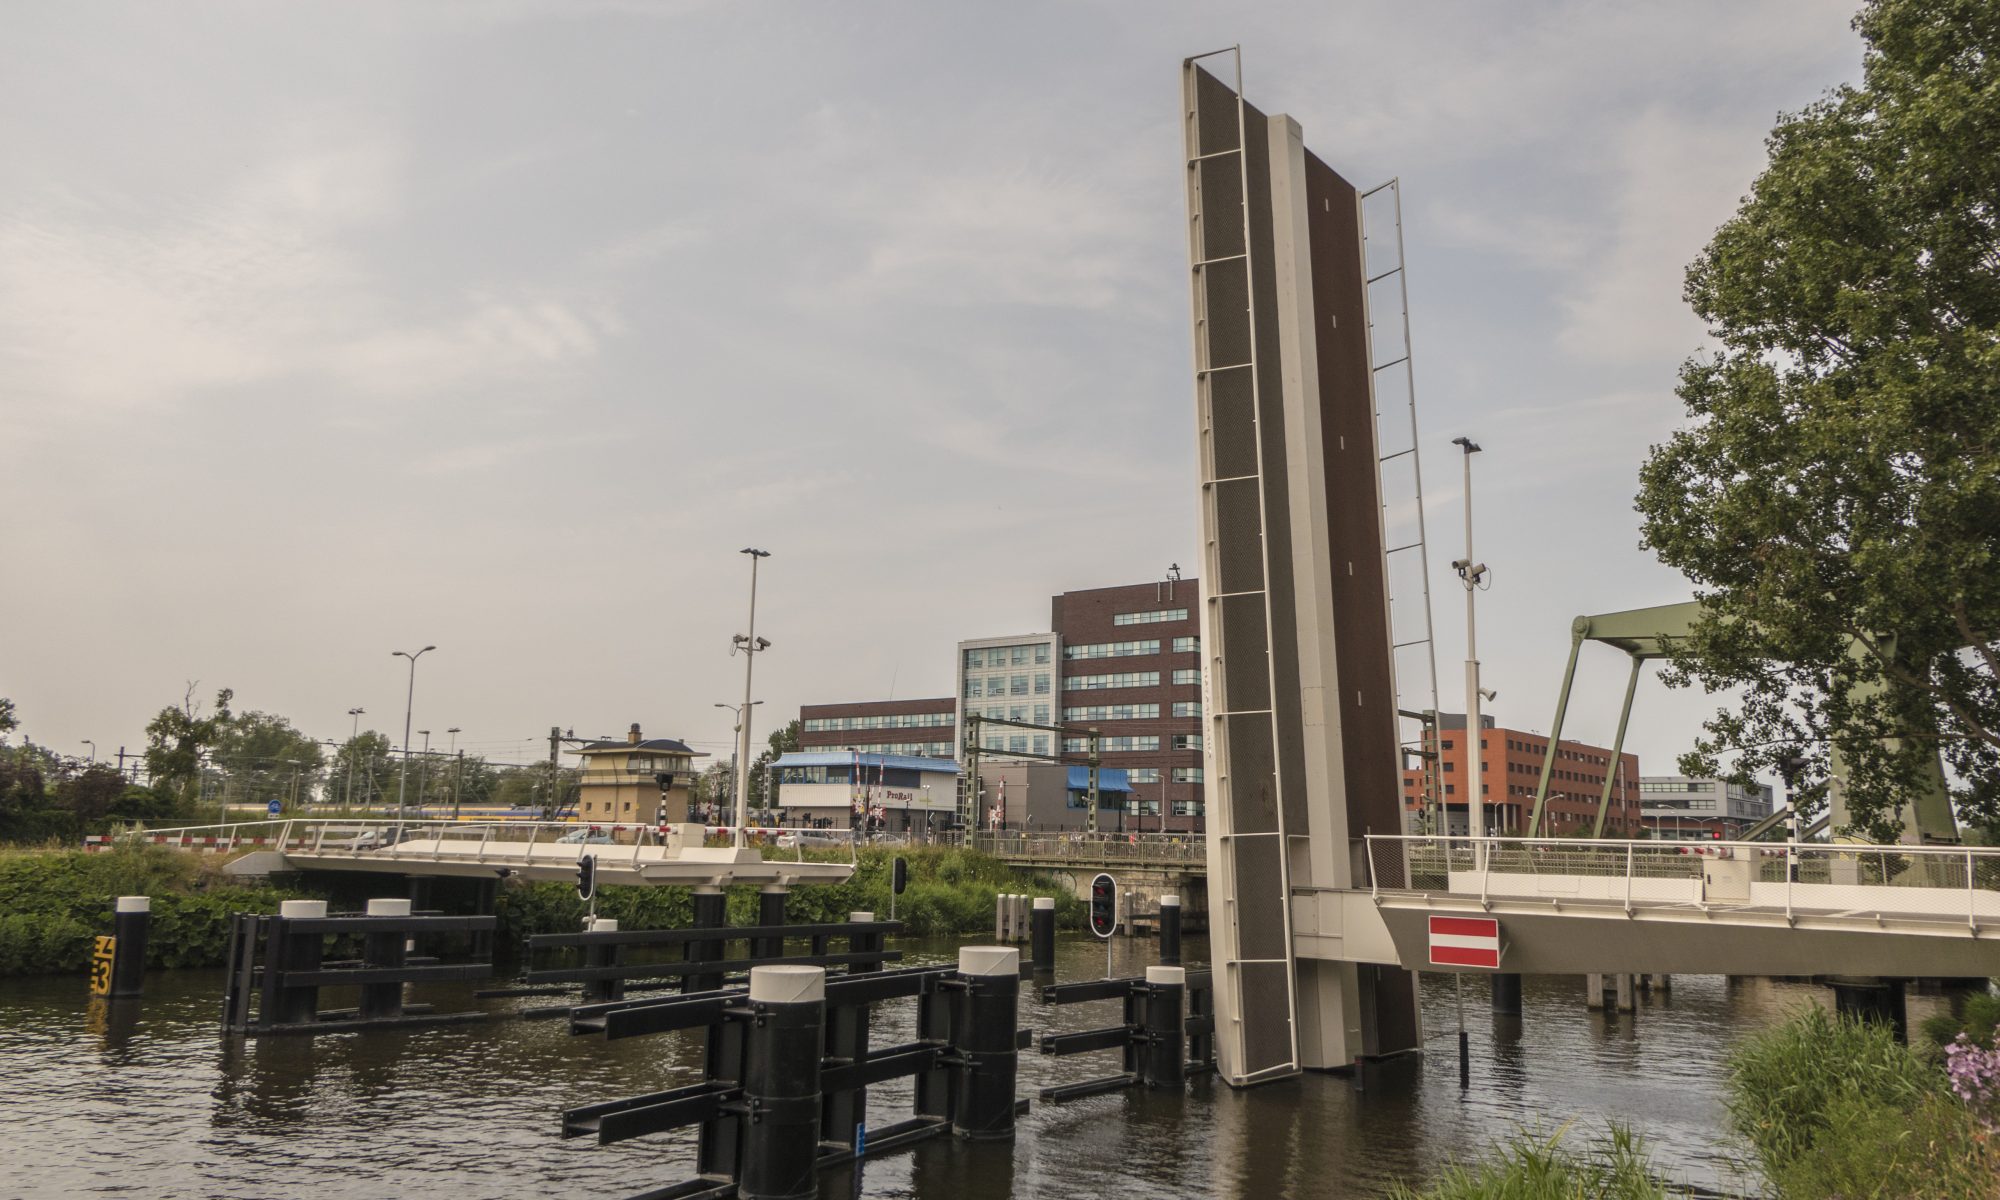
(332, 330)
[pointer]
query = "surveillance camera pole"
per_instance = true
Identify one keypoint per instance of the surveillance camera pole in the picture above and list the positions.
(750, 644)
(1469, 571)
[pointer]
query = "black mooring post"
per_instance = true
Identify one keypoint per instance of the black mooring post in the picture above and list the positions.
(1164, 1061)
(844, 1119)
(130, 919)
(711, 911)
(983, 1039)
(485, 903)
(384, 950)
(598, 991)
(1042, 934)
(770, 911)
(1507, 994)
(1170, 931)
(420, 892)
(297, 951)
(781, 1083)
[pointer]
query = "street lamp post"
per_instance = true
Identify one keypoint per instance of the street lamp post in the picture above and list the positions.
(751, 645)
(739, 779)
(93, 750)
(457, 770)
(1471, 573)
(353, 736)
(409, 704)
(424, 771)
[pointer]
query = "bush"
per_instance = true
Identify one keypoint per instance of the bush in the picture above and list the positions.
(1535, 1168)
(1834, 1107)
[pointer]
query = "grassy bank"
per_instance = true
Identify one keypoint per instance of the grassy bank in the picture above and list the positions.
(53, 901)
(1553, 1167)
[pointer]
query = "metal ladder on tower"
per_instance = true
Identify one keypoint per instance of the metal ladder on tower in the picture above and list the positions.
(1403, 536)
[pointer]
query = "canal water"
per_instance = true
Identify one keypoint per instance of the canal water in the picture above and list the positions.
(96, 1100)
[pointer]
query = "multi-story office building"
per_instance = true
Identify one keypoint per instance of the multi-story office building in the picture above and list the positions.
(1013, 679)
(921, 728)
(1684, 807)
(1131, 669)
(1511, 767)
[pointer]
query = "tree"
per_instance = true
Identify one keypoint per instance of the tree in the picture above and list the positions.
(263, 757)
(783, 740)
(177, 738)
(362, 770)
(1837, 499)
(8, 721)
(91, 795)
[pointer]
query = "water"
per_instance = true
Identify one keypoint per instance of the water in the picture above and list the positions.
(154, 1103)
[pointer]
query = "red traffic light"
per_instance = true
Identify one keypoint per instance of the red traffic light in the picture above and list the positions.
(1104, 906)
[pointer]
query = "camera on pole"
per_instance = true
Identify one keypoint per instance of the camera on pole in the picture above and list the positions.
(586, 877)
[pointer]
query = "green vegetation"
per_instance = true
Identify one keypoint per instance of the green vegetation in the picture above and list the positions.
(1836, 1108)
(1982, 1017)
(1836, 499)
(951, 891)
(53, 901)
(1532, 1167)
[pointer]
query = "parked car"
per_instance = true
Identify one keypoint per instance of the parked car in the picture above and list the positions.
(593, 837)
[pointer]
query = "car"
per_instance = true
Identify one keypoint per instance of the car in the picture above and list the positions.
(593, 837)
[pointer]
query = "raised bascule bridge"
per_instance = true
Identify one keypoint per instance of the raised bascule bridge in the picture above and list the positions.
(1317, 636)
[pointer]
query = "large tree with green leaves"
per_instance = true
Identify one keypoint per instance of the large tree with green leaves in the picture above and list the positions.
(1836, 499)
(263, 757)
(178, 737)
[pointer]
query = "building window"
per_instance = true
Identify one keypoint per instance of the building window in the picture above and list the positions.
(1187, 645)
(1020, 655)
(1041, 743)
(1017, 686)
(1041, 683)
(1041, 654)
(975, 659)
(1041, 714)
(1187, 741)
(1187, 676)
(1111, 649)
(1187, 708)
(1018, 743)
(1112, 712)
(1143, 775)
(1187, 774)
(1110, 745)
(971, 688)
(1018, 713)
(1126, 679)
(1150, 618)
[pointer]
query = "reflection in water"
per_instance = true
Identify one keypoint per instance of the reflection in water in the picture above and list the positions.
(473, 1108)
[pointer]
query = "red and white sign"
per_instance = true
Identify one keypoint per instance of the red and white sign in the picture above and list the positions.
(1465, 942)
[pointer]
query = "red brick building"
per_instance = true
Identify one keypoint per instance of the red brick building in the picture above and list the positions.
(1512, 765)
(922, 728)
(1131, 669)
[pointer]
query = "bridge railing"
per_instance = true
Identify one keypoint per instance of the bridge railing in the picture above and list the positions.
(1085, 849)
(478, 840)
(1954, 884)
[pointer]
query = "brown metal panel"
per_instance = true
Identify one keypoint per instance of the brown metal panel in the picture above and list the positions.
(1367, 702)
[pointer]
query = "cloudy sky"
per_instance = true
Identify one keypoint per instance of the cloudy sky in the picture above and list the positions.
(327, 330)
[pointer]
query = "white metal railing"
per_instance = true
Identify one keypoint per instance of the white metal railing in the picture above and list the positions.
(1086, 848)
(480, 841)
(1953, 884)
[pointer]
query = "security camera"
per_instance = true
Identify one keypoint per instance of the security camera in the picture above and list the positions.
(1459, 564)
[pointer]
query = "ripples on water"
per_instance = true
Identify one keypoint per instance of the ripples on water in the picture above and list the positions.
(154, 1103)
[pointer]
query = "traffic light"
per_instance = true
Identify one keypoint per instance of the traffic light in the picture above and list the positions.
(899, 876)
(586, 877)
(1104, 906)
(1715, 835)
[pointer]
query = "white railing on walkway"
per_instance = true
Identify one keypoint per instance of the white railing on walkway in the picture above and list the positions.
(1169, 849)
(1954, 884)
(479, 841)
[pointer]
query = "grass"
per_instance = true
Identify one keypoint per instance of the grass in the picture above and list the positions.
(1533, 1167)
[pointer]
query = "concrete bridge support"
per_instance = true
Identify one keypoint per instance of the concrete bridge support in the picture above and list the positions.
(1871, 998)
(1507, 994)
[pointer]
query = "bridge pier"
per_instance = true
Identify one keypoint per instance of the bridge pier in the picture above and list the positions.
(1507, 994)
(1871, 998)
(711, 911)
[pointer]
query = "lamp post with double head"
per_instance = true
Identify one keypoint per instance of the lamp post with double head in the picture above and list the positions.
(353, 753)
(409, 704)
(1470, 573)
(751, 645)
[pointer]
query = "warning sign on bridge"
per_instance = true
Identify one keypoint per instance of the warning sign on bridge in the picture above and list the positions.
(1465, 942)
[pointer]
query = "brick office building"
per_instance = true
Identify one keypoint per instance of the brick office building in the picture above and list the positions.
(1512, 766)
(1131, 669)
(921, 728)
